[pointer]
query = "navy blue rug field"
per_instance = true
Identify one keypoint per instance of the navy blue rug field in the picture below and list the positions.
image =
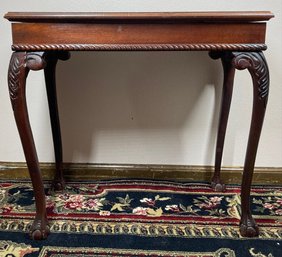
(130, 218)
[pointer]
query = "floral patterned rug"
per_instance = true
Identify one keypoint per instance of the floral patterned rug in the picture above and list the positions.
(140, 218)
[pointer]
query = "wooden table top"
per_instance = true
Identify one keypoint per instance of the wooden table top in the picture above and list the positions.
(247, 16)
(92, 31)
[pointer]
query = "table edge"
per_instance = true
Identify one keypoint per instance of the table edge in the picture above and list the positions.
(241, 16)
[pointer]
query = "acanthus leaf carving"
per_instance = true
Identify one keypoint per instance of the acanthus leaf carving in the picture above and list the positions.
(256, 64)
(16, 64)
(20, 64)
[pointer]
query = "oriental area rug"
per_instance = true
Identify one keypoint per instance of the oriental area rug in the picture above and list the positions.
(131, 218)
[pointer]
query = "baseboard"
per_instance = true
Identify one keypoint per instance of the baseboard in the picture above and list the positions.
(85, 171)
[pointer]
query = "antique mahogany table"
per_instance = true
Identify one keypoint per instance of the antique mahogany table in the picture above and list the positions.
(41, 39)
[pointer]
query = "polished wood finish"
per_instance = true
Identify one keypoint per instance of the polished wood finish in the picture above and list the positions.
(139, 31)
(162, 17)
(227, 90)
(256, 64)
(40, 39)
(50, 81)
(18, 71)
(195, 33)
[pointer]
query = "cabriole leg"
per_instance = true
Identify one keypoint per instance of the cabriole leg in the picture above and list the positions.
(50, 79)
(229, 71)
(20, 64)
(257, 66)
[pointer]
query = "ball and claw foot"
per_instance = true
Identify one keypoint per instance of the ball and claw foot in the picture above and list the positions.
(217, 185)
(39, 230)
(58, 185)
(249, 228)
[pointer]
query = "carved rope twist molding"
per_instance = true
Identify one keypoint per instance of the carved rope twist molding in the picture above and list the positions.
(139, 47)
(255, 62)
(13, 76)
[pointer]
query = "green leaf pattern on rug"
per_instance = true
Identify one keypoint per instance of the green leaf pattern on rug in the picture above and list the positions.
(271, 204)
(91, 199)
(210, 205)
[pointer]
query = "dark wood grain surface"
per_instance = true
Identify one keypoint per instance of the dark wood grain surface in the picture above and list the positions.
(196, 33)
(138, 31)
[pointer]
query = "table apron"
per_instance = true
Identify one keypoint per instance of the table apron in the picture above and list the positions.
(192, 33)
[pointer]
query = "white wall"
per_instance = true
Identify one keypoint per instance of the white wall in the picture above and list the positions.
(149, 107)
